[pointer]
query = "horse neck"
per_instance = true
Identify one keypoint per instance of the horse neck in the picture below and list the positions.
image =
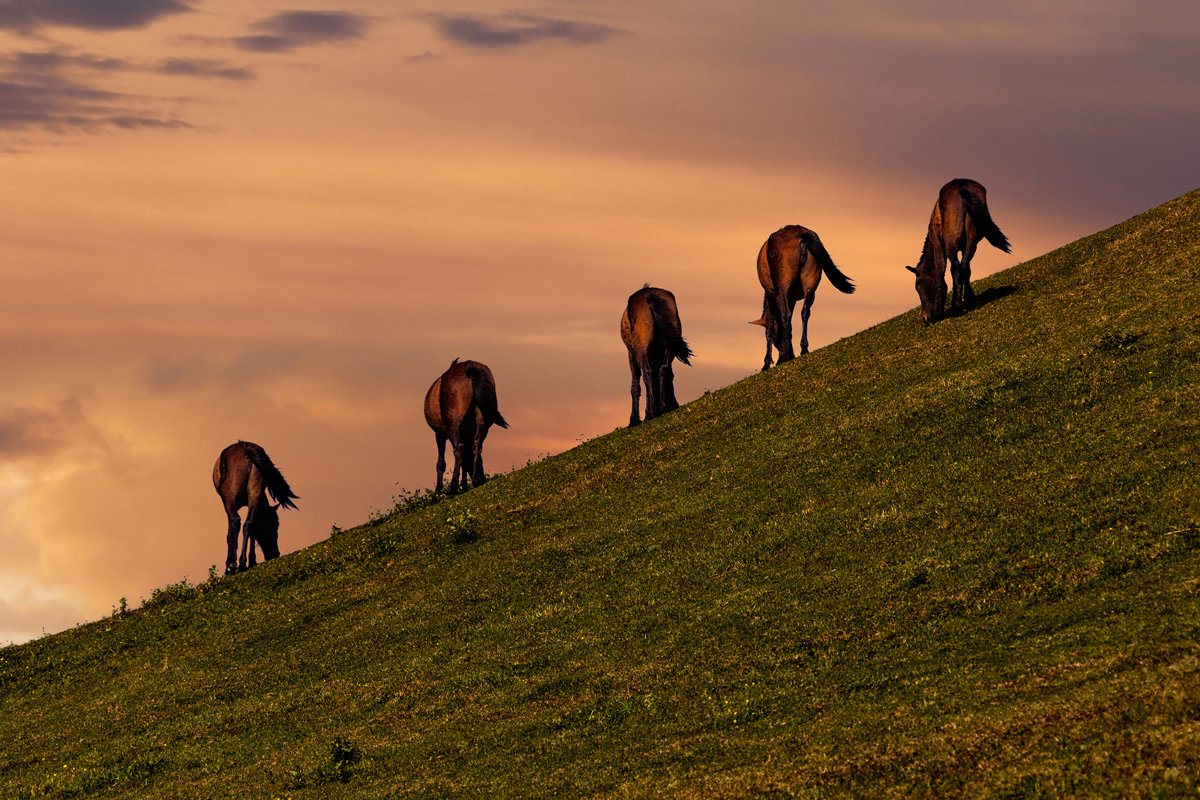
(932, 252)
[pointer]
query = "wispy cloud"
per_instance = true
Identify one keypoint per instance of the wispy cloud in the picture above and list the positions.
(55, 60)
(290, 30)
(28, 16)
(57, 91)
(505, 31)
(54, 103)
(60, 61)
(420, 58)
(45, 432)
(201, 68)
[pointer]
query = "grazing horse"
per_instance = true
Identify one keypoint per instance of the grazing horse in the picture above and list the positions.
(652, 333)
(790, 264)
(242, 476)
(960, 219)
(460, 406)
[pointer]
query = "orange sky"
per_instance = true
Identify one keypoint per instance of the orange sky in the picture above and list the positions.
(281, 222)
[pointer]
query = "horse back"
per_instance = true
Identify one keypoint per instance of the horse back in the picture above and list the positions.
(786, 263)
(963, 217)
(456, 398)
(950, 218)
(235, 478)
(637, 322)
(433, 407)
(651, 320)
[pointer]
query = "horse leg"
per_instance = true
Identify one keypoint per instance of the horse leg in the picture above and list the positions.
(457, 446)
(231, 540)
(247, 539)
(786, 353)
(651, 379)
(441, 459)
(805, 310)
(768, 317)
(965, 269)
(478, 478)
(668, 387)
(635, 388)
(251, 541)
(956, 290)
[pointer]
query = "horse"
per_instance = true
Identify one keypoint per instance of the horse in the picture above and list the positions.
(790, 264)
(653, 336)
(460, 406)
(960, 219)
(242, 476)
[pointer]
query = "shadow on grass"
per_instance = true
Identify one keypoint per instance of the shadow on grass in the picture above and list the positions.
(992, 294)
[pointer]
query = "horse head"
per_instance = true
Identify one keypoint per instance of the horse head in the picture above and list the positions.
(931, 289)
(266, 530)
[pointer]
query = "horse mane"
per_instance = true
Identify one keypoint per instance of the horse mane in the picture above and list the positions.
(928, 260)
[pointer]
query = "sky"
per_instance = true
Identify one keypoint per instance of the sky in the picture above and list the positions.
(280, 222)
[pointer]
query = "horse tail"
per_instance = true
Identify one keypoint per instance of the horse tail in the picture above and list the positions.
(666, 322)
(835, 275)
(978, 211)
(484, 390)
(278, 487)
(765, 319)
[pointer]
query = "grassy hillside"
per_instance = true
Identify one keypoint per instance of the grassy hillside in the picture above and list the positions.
(959, 560)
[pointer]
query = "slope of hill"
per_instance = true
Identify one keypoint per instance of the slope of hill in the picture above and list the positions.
(959, 560)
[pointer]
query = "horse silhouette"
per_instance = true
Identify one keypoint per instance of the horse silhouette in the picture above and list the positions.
(460, 406)
(960, 219)
(242, 476)
(790, 264)
(653, 336)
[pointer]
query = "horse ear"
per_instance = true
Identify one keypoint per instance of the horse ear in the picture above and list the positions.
(913, 270)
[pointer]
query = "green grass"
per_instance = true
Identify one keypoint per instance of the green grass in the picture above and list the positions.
(961, 560)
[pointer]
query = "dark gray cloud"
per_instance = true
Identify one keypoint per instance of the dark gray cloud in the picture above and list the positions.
(27, 16)
(420, 58)
(518, 30)
(181, 371)
(202, 68)
(55, 91)
(293, 29)
(56, 61)
(45, 432)
(57, 104)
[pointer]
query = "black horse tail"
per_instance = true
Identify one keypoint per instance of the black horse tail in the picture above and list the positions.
(835, 275)
(667, 323)
(978, 211)
(485, 396)
(278, 487)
